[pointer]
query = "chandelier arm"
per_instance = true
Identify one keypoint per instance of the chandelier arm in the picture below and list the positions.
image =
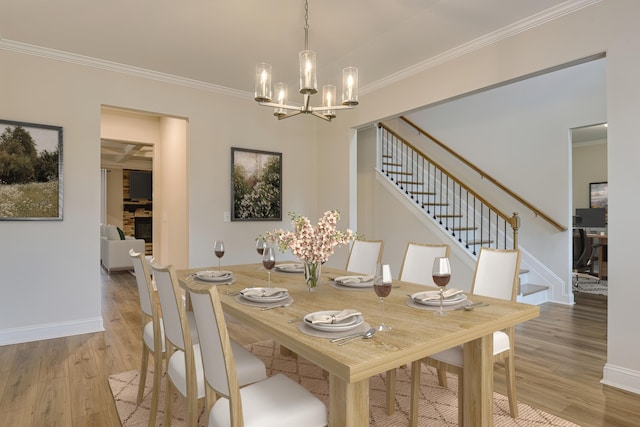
(333, 107)
(286, 116)
(320, 116)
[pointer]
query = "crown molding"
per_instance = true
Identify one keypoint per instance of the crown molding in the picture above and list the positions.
(518, 27)
(58, 55)
(466, 48)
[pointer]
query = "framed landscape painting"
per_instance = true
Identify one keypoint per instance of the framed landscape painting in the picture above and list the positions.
(256, 185)
(30, 171)
(599, 195)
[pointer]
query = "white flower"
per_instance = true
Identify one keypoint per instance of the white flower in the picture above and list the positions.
(312, 244)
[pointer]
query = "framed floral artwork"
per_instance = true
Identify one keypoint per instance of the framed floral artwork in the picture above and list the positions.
(256, 185)
(30, 171)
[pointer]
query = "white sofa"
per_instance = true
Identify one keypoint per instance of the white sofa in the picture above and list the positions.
(114, 252)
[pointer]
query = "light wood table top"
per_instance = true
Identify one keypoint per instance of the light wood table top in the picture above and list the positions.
(415, 334)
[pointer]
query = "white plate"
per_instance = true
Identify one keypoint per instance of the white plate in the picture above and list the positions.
(277, 297)
(345, 325)
(456, 299)
(214, 275)
(368, 284)
(290, 268)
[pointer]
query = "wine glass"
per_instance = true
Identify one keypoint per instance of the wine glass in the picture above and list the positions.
(441, 274)
(260, 245)
(218, 250)
(269, 260)
(382, 288)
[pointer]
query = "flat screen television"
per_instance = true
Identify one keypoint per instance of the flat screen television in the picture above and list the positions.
(140, 185)
(590, 218)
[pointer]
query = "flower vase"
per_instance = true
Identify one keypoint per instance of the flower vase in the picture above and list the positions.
(312, 275)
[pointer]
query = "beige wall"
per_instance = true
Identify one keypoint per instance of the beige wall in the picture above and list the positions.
(589, 165)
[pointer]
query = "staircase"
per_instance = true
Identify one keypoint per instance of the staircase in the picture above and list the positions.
(469, 220)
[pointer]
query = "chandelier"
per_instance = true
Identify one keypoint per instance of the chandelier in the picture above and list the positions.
(308, 86)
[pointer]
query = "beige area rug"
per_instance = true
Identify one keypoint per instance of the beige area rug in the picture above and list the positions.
(438, 405)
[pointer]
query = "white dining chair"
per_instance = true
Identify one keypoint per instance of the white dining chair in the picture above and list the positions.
(416, 268)
(418, 262)
(184, 363)
(153, 342)
(274, 402)
(496, 275)
(364, 255)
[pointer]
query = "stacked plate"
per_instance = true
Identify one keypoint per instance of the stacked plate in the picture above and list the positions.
(349, 323)
(265, 295)
(290, 268)
(433, 298)
(355, 281)
(214, 275)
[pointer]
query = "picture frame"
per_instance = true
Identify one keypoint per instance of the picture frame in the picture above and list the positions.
(256, 185)
(30, 171)
(599, 195)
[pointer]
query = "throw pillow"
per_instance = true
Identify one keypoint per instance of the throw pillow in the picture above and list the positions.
(112, 232)
(121, 233)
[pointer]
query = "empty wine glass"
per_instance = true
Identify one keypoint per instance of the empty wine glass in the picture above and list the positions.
(269, 260)
(441, 274)
(382, 288)
(218, 250)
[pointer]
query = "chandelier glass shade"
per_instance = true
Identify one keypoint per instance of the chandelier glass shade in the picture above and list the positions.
(278, 99)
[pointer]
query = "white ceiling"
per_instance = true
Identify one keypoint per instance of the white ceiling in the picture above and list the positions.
(218, 42)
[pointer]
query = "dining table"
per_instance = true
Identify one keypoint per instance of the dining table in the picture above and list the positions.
(415, 334)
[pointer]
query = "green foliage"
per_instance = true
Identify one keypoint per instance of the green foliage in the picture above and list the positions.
(257, 196)
(19, 159)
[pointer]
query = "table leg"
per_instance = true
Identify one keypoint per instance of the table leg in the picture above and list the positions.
(348, 403)
(478, 382)
(416, 367)
(390, 383)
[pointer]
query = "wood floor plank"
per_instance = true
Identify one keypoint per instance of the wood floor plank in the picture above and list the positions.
(53, 404)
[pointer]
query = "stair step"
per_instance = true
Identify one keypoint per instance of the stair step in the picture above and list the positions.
(423, 193)
(449, 216)
(387, 156)
(530, 288)
(435, 204)
(463, 228)
(409, 182)
(479, 242)
(391, 164)
(399, 172)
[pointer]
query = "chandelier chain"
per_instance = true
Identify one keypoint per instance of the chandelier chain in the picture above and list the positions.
(306, 25)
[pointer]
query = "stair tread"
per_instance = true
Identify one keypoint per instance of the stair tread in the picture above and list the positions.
(531, 288)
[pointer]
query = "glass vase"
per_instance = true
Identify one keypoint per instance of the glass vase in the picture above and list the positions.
(312, 275)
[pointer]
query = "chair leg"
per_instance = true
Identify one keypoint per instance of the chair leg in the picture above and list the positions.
(442, 376)
(155, 392)
(167, 401)
(390, 383)
(143, 373)
(510, 372)
(460, 398)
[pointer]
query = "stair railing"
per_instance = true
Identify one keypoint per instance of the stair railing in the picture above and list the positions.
(458, 209)
(488, 177)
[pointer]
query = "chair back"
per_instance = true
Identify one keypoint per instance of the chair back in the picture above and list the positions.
(364, 256)
(215, 345)
(176, 328)
(143, 279)
(496, 274)
(418, 262)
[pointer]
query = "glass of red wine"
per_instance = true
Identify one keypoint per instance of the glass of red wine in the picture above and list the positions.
(269, 260)
(260, 245)
(382, 288)
(441, 274)
(218, 250)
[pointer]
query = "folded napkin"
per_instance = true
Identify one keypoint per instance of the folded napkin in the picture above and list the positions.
(213, 274)
(354, 279)
(261, 292)
(436, 296)
(335, 318)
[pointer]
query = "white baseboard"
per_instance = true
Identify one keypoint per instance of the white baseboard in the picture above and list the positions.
(50, 330)
(622, 378)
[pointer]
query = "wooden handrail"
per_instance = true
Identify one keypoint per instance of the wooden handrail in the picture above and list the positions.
(511, 220)
(488, 177)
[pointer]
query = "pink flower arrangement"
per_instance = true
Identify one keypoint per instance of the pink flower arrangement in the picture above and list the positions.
(312, 244)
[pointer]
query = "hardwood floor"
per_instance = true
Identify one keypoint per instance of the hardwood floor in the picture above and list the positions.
(63, 382)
